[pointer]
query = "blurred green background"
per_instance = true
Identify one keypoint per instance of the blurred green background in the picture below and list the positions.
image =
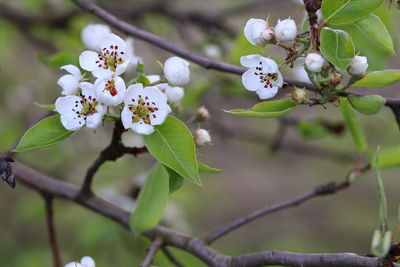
(32, 31)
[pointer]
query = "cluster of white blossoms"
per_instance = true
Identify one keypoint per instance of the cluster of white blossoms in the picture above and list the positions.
(85, 262)
(263, 75)
(87, 101)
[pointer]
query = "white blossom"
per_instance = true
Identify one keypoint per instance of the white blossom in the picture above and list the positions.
(285, 30)
(110, 90)
(202, 137)
(77, 111)
(263, 76)
(212, 50)
(358, 65)
(173, 93)
(85, 262)
(70, 82)
(111, 60)
(131, 139)
(257, 32)
(314, 62)
(144, 107)
(93, 34)
(176, 70)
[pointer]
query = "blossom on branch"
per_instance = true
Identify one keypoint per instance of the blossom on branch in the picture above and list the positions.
(285, 30)
(263, 75)
(314, 62)
(144, 107)
(111, 60)
(110, 90)
(77, 111)
(93, 34)
(257, 32)
(176, 70)
(202, 137)
(85, 262)
(358, 66)
(70, 82)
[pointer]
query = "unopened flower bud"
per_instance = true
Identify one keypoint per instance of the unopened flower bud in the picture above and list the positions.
(202, 137)
(176, 70)
(285, 30)
(257, 33)
(358, 66)
(6, 173)
(336, 78)
(300, 96)
(131, 139)
(314, 62)
(202, 114)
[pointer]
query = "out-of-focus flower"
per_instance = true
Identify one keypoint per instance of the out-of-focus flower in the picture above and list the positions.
(202, 114)
(202, 137)
(131, 139)
(85, 262)
(93, 34)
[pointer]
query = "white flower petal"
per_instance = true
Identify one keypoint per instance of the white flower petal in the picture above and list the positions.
(142, 128)
(265, 93)
(250, 81)
(155, 95)
(88, 262)
(93, 121)
(130, 139)
(253, 31)
(133, 92)
(87, 60)
(176, 70)
(121, 68)
(153, 78)
(69, 83)
(174, 93)
(126, 117)
(74, 70)
(66, 104)
(160, 115)
(114, 40)
(250, 60)
(72, 123)
(93, 34)
(87, 90)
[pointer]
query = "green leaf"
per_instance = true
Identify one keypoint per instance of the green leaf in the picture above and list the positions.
(50, 107)
(381, 194)
(337, 47)
(369, 105)
(379, 79)
(375, 32)
(173, 145)
(346, 11)
(152, 200)
(175, 180)
(381, 243)
(266, 109)
(389, 158)
(143, 79)
(312, 130)
(353, 124)
(203, 168)
(46, 132)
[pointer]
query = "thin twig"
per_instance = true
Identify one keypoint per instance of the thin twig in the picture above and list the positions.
(151, 253)
(51, 229)
(321, 190)
(171, 257)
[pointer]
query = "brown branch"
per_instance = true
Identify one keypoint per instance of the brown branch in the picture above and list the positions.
(321, 190)
(151, 253)
(197, 247)
(51, 229)
(112, 152)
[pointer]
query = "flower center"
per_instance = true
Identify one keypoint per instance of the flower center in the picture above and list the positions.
(143, 110)
(110, 86)
(110, 57)
(88, 107)
(267, 79)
